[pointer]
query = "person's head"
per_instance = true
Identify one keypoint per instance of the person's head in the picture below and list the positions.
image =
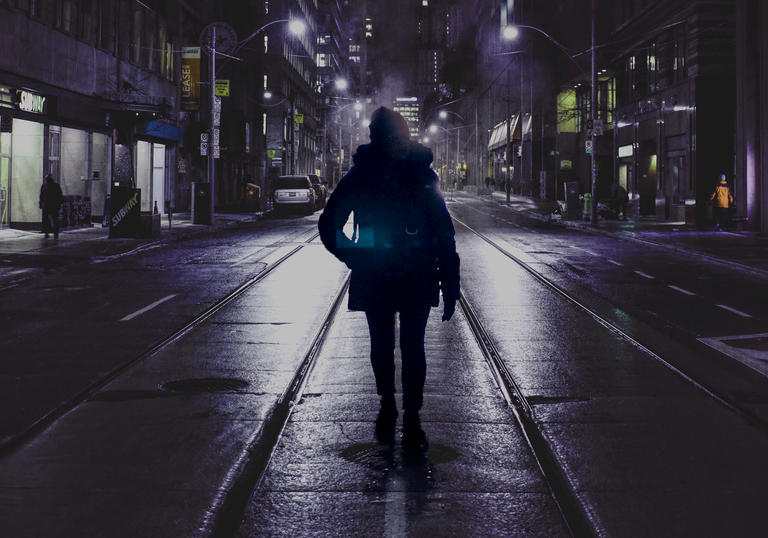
(722, 179)
(389, 130)
(49, 178)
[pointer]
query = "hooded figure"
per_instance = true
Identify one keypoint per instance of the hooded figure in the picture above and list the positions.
(402, 253)
(50, 202)
(723, 199)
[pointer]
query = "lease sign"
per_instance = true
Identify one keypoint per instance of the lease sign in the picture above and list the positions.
(190, 78)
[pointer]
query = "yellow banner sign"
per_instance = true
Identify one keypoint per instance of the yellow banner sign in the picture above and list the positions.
(190, 78)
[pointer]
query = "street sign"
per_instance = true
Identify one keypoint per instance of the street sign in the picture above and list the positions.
(203, 137)
(215, 137)
(216, 152)
(597, 127)
(217, 104)
(271, 153)
(221, 87)
(299, 118)
(204, 149)
(588, 147)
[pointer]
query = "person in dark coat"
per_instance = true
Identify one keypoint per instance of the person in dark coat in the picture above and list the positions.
(402, 255)
(50, 202)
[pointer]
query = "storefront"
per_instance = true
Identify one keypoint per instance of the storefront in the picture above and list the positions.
(45, 133)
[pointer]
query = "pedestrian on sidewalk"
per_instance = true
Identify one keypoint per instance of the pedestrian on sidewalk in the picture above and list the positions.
(403, 255)
(619, 199)
(50, 202)
(723, 200)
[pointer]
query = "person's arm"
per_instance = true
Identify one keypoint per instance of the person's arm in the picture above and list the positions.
(445, 251)
(335, 216)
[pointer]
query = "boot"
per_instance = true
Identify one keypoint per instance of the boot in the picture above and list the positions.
(413, 436)
(385, 422)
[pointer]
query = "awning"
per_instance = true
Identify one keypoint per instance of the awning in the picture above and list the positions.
(159, 129)
(499, 132)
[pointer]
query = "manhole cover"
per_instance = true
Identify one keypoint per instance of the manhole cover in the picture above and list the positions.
(205, 384)
(125, 395)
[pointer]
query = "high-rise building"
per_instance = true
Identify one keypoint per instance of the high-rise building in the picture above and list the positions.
(410, 109)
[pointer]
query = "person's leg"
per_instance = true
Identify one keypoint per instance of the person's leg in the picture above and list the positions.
(46, 225)
(55, 224)
(381, 327)
(413, 323)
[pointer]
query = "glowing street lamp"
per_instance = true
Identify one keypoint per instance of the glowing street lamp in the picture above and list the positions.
(510, 32)
(443, 114)
(358, 106)
(297, 26)
(267, 95)
(341, 84)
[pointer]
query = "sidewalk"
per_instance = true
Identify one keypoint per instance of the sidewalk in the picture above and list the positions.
(744, 250)
(94, 240)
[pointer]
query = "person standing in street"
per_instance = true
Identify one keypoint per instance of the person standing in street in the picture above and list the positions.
(402, 257)
(50, 202)
(723, 200)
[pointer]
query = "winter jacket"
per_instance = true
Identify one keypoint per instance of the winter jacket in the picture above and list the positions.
(722, 195)
(402, 250)
(50, 196)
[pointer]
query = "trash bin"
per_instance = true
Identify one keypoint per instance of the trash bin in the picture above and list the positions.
(201, 203)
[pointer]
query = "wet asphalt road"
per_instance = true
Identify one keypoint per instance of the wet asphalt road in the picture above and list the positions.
(646, 451)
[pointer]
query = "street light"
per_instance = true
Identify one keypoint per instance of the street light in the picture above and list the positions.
(341, 84)
(267, 95)
(510, 32)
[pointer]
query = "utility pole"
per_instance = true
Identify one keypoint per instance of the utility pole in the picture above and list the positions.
(214, 141)
(293, 133)
(508, 176)
(593, 115)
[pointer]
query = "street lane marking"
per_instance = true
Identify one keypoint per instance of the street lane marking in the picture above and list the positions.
(681, 290)
(645, 275)
(737, 312)
(615, 263)
(584, 250)
(147, 308)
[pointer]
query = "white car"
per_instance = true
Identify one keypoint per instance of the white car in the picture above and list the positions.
(294, 191)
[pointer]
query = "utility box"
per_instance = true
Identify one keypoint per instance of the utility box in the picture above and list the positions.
(573, 211)
(201, 203)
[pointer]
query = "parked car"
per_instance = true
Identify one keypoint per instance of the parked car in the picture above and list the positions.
(321, 191)
(295, 191)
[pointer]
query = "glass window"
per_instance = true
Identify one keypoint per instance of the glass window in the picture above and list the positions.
(107, 25)
(135, 47)
(67, 16)
(149, 50)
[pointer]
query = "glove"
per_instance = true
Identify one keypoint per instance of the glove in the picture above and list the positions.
(449, 307)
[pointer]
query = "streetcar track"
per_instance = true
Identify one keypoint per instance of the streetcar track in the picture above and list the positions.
(224, 516)
(710, 392)
(572, 510)
(51, 416)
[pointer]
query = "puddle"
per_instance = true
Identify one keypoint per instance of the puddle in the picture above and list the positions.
(382, 457)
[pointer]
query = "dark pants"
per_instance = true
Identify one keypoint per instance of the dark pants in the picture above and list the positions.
(51, 222)
(721, 216)
(413, 323)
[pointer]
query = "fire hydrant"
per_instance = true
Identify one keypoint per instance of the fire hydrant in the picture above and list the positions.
(587, 212)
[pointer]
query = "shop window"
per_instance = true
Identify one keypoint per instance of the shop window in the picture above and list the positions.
(66, 16)
(54, 151)
(149, 50)
(136, 34)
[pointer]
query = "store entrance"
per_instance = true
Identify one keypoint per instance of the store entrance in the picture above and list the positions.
(5, 178)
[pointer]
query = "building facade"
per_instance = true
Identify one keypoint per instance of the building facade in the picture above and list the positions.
(89, 94)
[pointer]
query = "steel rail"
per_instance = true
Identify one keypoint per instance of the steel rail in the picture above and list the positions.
(224, 516)
(574, 513)
(51, 416)
(710, 392)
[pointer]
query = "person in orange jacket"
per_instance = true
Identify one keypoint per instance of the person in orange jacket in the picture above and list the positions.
(723, 199)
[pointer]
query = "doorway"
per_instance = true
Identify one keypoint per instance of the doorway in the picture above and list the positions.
(5, 178)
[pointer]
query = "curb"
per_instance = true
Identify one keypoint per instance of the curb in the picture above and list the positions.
(629, 236)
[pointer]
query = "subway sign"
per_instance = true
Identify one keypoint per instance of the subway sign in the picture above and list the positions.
(32, 102)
